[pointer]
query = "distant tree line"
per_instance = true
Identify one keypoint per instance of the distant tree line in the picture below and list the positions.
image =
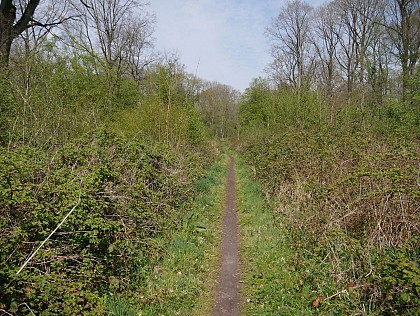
(367, 47)
(67, 65)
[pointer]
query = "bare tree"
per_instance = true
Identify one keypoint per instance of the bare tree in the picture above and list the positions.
(281, 69)
(139, 44)
(358, 24)
(116, 30)
(403, 26)
(290, 35)
(29, 43)
(328, 31)
(379, 61)
(348, 42)
(117, 34)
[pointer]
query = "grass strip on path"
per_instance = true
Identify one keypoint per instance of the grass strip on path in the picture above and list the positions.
(270, 284)
(183, 282)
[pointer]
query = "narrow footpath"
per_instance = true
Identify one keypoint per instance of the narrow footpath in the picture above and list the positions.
(227, 300)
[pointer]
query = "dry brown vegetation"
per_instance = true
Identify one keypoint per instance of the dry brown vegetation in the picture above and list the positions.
(350, 196)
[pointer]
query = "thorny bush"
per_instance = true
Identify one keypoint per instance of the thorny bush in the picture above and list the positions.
(129, 193)
(351, 200)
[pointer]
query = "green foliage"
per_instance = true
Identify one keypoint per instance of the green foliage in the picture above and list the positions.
(181, 283)
(148, 122)
(415, 88)
(403, 121)
(60, 95)
(6, 109)
(195, 129)
(130, 194)
(263, 109)
(398, 279)
(256, 104)
(170, 84)
(164, 112)
(344, 192)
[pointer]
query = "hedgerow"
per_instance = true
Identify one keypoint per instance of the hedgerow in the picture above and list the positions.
(124, 194)
(349, 198)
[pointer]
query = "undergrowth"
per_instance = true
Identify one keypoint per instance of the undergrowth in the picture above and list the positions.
(345, 197)
(269, 277)
(126, 196)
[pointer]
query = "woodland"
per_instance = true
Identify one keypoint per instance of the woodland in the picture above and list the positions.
(111, 154)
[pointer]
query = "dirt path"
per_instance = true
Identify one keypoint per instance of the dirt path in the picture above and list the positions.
(227, 296)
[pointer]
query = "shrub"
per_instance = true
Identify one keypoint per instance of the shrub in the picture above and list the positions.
(128, 194)
(348, 193)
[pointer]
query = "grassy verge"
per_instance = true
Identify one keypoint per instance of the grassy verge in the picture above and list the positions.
(182, 282)
(270, 284)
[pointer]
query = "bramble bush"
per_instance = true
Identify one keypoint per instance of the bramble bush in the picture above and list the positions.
(130, 178)
(126, 193)
(348, 192)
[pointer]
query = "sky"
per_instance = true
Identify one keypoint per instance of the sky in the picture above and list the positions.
(218, 40)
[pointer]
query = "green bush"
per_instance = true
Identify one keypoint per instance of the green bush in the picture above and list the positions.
(397, 280)
(6, 109)
(129, 194)
(347, 192)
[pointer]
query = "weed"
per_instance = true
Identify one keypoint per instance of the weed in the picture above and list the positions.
(119, 307)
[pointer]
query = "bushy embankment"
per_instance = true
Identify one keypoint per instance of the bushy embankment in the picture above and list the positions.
(124, 195)
(348, 194)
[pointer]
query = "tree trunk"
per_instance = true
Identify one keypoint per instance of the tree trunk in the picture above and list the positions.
(7, 18)
(408, 51)
(9, 30)
(5, 53)
(405, 79)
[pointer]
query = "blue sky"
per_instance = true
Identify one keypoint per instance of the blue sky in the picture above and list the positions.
(224, 38)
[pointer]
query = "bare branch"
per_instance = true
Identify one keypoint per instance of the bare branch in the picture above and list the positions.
(26, 17)
(86, 5)
(45, 25)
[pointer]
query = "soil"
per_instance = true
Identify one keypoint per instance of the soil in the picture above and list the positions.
(227, 300)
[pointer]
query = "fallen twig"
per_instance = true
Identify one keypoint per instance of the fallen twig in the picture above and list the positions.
(49, 236)
(343, 291)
